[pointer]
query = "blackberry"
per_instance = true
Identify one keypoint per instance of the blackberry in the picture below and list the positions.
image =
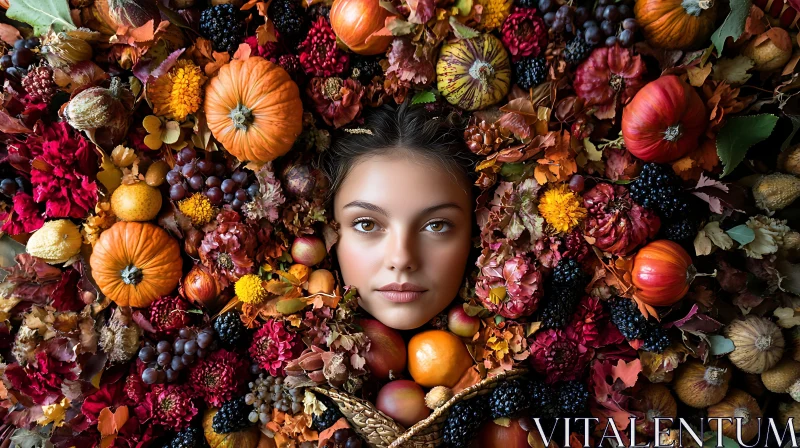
(558, 308)
(319, 10)
(656, 339)
(530, 72)
(364, 68)
(289, 20)
(463, 421)
(230, 329)
(191, 437)
(232, 416)
(681, 231)
(627, 318)
(527, 4)
(543, 398)
(572, 398)
(222, 25)
(509, 399)
(329, 416)
(577, 50)
(568, 273)
(659, 189)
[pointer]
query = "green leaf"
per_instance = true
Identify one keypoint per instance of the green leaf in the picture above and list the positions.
(41, 14)
(739, 134)
(462, 31)
(742, 234)
(720, 345)
(710, 441)
(733, 26)
(423, 97)
(290, 306)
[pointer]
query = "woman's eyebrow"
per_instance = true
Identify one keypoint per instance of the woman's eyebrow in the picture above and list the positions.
(377, 209)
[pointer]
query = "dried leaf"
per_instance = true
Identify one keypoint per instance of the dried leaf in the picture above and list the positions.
(698, 75)
(733, 71)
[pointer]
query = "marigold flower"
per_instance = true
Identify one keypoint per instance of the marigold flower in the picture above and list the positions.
(494, 13)
(179, 92)
(561, 208)
(250, 289)
(198, 208)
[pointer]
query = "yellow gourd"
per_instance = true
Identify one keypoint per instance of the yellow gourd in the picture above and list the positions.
(56, 241)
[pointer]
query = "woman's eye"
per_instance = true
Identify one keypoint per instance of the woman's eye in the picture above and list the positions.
(438, 226)
(365, 226)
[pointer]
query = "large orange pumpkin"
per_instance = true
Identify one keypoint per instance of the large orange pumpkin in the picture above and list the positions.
(134, 263)
(253, 108)
(354, 21)
(662, 273)
(676, 24)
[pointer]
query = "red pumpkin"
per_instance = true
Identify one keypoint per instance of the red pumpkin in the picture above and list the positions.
(354, 21)
(662, 272)
(664, 120)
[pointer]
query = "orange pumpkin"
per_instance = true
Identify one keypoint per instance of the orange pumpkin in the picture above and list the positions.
(662, 273)
(134, 263)
(676, 24)
(253, 108)
(354, 21)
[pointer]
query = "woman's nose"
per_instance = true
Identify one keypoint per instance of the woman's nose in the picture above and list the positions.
(401, 253)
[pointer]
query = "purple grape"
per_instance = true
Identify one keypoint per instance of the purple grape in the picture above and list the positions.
(341, 435)
(189, 170)
(19, 44)
(558, 25)
(625, 11)
(610, 41)
(630, 24)
(252, 190)
(174, 177)
(176, 364)
(545, 5)
(201, 353)
(177, 192)
(190, 348)
(593, 36)
(228, 197)
(177, 347)
(6, 62)
(31, 43)
(228, 186)
(205, 166)
(147, 353)
(219, 169)
(568, 27)
(196, 182)
(581, 14)
(162, 376)
(240, 177)
(8, 187)
(608, 28)
(353, 442)
(564, 12)
(188, 154)
(625, 38)
(150, 376)
(605, 2)
(214, 194)
(164, 359)
(576, 183)
(611, 13)
(213, 181)
(589, 24)
(187, 359)
(22, 57)
(241, 195)
(16, 73)
(163, 346)
(185, 333)
(172, 376)
(237, 204)
(204, 340)
(549, 19)
(598, 13)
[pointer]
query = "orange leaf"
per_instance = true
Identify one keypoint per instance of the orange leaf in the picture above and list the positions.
(470, 378)
(243, 52)
(325, 435)
(109, 424)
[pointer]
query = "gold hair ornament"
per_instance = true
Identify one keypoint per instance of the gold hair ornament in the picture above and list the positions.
(359, 131)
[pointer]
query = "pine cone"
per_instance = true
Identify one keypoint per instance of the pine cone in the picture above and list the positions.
(483, 138)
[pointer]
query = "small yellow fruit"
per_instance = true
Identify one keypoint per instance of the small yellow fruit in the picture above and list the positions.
(789, 160)
(56, 241)
(157, 173)
(321, 280)
(781, 377)
(438, 396)
(776, 191)
(766, 55)
(136, 202)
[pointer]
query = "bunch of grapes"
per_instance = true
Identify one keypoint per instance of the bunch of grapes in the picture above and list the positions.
(166, 360)
(267, 392)
(612, 23)
(17, 62)
(191, 175)
(10, 183)
(344, 438)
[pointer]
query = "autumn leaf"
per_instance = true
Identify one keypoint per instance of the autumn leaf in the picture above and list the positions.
(109, 423)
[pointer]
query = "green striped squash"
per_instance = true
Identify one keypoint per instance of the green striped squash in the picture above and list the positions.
(473, 73)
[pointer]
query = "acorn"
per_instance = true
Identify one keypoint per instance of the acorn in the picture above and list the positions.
(758, 343)
(781, 377)
(701, 386)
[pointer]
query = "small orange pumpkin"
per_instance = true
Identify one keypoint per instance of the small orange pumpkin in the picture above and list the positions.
(676, 24)
(354, 22)
(134, 263)
(253, 108)
(662, 273)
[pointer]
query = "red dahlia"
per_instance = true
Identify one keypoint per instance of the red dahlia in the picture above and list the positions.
(616, 223)
(274, 346)
(524, 33)
(217, 377)
(171, 405)
(338, 101)
(319, 54)
(169, 314)
(559, 355)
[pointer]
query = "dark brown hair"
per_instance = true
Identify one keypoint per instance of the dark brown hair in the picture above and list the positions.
(390, 128)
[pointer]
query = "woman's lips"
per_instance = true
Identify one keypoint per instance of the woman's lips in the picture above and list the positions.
(402, 296)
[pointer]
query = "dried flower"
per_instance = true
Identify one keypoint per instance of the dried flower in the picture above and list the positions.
(559, 355)
(512, 289)
(524, 33)
(616, 223)
(178, 93)
(229, 250)
(561, 208)
(337, 101)
(169, 314)
(198, 208)
(171, 405)
(769, 233)
(217, 377)
(120, 338)
(250, 289)
(274, 346)
(319, 54)
(494, 13)
(610, 76)
(42, 381)
(269, 198)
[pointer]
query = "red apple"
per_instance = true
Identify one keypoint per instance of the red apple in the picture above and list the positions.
(492, 435)
(461, 323)
(403, 401)
(387, 350)
(308, 250)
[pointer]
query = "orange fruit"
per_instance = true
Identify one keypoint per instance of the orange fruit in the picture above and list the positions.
(437, 358)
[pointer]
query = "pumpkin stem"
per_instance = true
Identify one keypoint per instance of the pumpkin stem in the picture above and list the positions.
(763, 343)
(241, 116)
(714, 376)
(742, 413)
(696, 7)
(673, 133)
(131, 275)
(483, 72)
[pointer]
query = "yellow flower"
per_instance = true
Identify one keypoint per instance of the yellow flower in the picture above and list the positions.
(250, 289)
(160, 132)
(561, 208)
(179, 92)
(494, 13)
(198, 208)
(54, 413)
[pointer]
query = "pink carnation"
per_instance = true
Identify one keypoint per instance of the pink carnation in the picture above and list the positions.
(274, 346)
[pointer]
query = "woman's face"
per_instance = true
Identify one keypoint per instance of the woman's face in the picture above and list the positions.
(405, 221)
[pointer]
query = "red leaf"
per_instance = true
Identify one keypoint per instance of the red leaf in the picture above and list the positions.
(12, 125)
(9, 34)
(627, 372)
